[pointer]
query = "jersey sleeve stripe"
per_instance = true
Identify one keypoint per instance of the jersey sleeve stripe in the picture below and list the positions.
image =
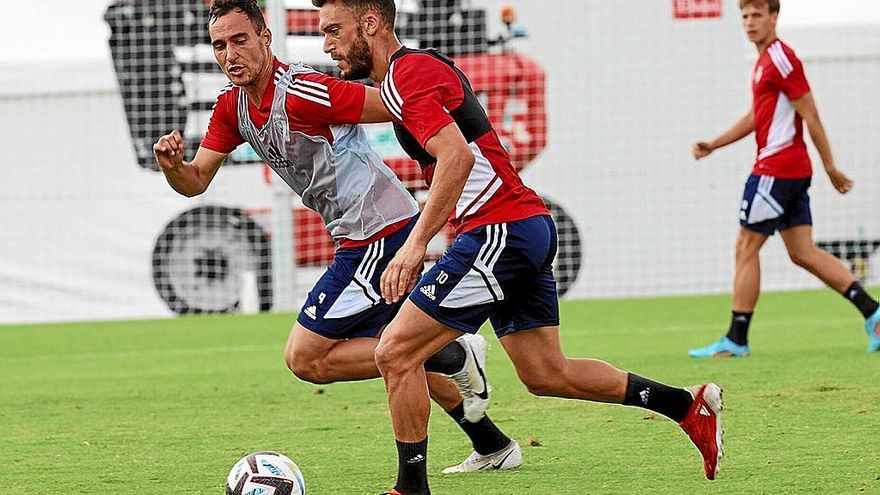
(309, 97)
(312, 84)
(780, 60)
(321, 94)
(393, 87)
(390, 104)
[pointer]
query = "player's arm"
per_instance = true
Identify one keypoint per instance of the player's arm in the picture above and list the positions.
(187, 178)
(455, 159)
(740, 129)
(805, 106)
(344, 102)
(374, 111)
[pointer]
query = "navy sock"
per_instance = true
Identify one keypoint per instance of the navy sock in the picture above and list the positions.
(739, 327)
(448, 360)
(484, 434)
(861, 299)
(412, 468)
(668, 401)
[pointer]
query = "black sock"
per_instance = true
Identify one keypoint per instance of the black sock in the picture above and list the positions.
(484, 435)
(412, 468)
(739, 327)
(448, 360)
(668, 401)
(861, 299)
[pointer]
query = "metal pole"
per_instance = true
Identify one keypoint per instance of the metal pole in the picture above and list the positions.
(283, 244)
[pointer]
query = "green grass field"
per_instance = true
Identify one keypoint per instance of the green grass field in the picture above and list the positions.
(155, 407)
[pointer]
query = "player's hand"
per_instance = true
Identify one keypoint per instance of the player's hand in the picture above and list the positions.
(839, 180)
(402, 272)
(168, 151)
(701, 149)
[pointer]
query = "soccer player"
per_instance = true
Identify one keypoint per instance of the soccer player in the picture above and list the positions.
(301, 123)
(775, 197)
(499, 266)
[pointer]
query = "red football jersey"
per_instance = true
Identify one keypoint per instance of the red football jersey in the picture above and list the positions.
(314, 103)
(777, 80)
(424, 93)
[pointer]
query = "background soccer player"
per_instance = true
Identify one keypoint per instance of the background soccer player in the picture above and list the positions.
(775, 196)
(499, 266)
(364, 206)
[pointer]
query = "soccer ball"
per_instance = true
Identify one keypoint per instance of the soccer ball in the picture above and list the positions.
(265, 473)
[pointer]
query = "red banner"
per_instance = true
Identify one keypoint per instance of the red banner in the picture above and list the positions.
(696, 9)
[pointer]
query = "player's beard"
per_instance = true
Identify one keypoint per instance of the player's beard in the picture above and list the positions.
(359, 59)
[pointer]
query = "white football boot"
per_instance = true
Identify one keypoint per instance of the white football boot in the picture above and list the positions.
(507, 458)
(471, 380)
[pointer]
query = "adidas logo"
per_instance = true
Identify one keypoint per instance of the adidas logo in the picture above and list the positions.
(645, 395)
(428, 291)
(415, 460)
(311, 312)
(852, 294)
(704, 412)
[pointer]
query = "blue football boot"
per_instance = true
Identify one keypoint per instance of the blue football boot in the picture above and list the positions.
(872, 328)
(723, 348)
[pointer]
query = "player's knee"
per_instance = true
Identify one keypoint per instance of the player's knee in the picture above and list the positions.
(745, 252)
(312, 372)
(541, 382)
(799, 258)
(390, 359)
(307, 369)
(540, 386)
(384, 356)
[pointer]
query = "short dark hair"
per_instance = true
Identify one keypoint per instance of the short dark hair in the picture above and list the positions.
(385, 8)
(773, 5)
(219, 8)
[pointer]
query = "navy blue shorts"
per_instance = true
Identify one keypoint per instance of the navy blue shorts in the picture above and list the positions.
(501, 272)
(346, 302)
(771, 204)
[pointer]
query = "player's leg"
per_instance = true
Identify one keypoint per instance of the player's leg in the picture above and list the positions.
(746, 289)
(336, 332)
(527, 320)
(830, 270)
(318, 359)
(759, 216)
(492, 449)
(334, 336)
(546, 371)
(804, 253)
(408, 341)
(454, 296)
(747, 270)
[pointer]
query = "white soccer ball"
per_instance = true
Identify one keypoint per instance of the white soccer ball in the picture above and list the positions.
(265, 473)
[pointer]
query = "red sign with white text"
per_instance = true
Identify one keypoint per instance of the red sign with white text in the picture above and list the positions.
(696, 9)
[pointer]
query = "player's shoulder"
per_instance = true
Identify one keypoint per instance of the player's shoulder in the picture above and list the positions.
(228, 91)
(306, 73)
(786, 49)
(308, 80)
(227, 96)
(420, 65)
(783, 58)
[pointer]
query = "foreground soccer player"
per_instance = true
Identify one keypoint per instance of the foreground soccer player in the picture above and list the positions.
(301, 123)
(499, 266)
(775, 196)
